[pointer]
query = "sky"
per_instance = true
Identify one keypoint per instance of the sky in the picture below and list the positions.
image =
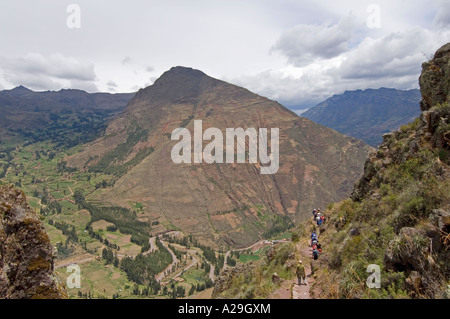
(295, 52)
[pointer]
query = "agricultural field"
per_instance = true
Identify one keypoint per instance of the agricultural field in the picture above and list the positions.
(98, 237)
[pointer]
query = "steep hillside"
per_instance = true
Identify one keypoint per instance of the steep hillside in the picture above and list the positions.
(219, 203)
(26, 254)
(399, 214)
(367, 114)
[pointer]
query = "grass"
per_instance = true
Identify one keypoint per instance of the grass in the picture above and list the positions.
(255, 281)
(243, 258)
(101, 282)
(55, 235)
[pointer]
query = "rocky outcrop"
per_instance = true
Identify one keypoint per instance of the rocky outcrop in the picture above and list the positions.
(398, 216)
(418, 151)
(26, 254)
(435, 79)
(431, 129)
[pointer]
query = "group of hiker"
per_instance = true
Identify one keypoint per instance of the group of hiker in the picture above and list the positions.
(316, 250)
(315, 245)
(318, 217)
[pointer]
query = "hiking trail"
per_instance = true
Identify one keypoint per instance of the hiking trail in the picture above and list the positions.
(302, 292)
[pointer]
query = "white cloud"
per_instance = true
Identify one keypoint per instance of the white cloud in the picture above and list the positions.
(395, 59)
(48, 72)
(112, 86)
(320, 47)
(390, 60)
(442, 18)
(397, 54)
(305, 43)
(126, 60)
(87, 86)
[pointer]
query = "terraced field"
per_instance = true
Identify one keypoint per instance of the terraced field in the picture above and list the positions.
(84, 231)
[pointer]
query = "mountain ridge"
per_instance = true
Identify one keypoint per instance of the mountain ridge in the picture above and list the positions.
(367, 114)
(227, 203)
(67, 117)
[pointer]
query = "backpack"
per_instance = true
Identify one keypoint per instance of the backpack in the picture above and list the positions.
(315, 254)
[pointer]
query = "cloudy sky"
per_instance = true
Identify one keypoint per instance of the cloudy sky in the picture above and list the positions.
(293, 51)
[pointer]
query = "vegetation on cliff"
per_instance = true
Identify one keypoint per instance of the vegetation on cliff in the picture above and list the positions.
(399, 214)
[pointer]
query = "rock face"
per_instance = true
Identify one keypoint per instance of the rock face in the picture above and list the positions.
(431, 129)
(417, 152)
(219, 203)
(26, 255)
(435, 79)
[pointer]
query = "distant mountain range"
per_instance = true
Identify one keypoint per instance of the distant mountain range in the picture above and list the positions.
(69, 117)
(367, 114)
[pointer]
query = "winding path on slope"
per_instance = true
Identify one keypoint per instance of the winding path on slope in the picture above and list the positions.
(162, 274)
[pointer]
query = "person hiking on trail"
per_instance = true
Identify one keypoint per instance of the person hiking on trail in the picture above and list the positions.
(301, 274)
(314, 214)
(315, 254)
(314, 242)
(313, 238)
(319, 220)
(319, 247)
(322, 218)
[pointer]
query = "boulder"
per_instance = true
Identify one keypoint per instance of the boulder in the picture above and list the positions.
(26, 254)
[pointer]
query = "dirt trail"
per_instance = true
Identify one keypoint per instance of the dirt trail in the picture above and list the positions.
(192, 264)
(302, 292)
(81, 259)
(290, 289)
(162, 274)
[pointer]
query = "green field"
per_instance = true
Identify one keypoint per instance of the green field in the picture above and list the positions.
(243, 258)
(79, 227)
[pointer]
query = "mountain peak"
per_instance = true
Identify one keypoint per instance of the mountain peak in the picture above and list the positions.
(181, 73)
(20, 90)
(230, 193)
(186, 71)
(177, 83)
